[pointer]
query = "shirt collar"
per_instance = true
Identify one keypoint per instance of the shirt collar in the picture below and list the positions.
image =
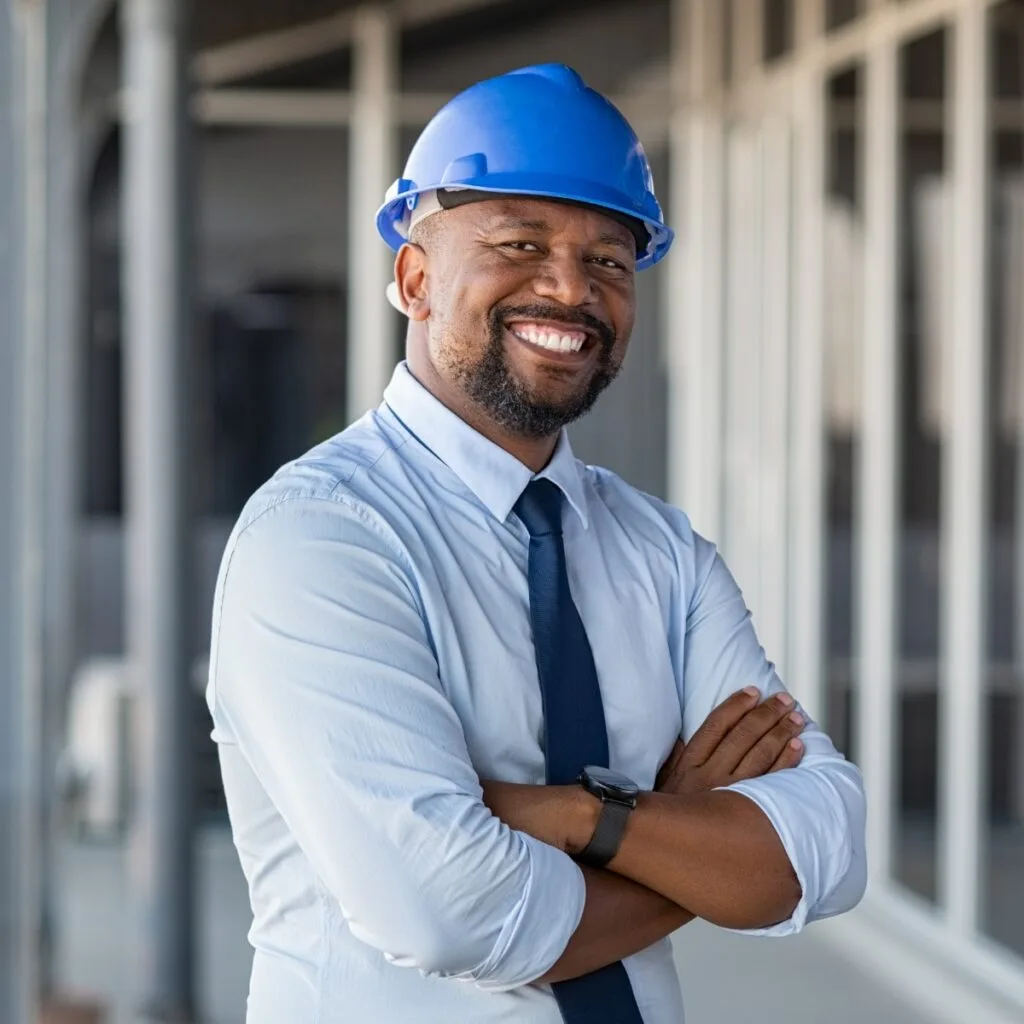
(491, 473)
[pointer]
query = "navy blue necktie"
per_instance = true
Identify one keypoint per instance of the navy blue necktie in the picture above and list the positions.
(574, 726)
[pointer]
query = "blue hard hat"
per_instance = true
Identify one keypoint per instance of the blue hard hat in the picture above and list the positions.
(539, 131)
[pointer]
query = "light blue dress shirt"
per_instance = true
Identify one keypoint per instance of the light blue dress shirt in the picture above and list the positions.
(372, 661)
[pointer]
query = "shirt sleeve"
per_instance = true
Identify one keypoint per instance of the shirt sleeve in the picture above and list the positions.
(322, 674)
(817, 808)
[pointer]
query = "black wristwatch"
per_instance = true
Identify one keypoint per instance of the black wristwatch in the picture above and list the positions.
(618, 797)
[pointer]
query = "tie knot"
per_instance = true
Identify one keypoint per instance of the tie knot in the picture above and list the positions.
(540, 508)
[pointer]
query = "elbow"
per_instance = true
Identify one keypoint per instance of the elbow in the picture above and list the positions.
(771, 902)
(850, 889)
(437, 951)
(790, 893)
(498, 932)
(851, 885)
(859, 875)
(446, 950)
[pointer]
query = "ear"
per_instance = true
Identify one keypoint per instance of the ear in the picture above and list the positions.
(411, 281)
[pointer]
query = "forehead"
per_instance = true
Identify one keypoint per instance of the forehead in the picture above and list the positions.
(545, 215)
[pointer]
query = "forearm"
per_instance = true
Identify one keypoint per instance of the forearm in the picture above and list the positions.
(715, 853)
(620, 918)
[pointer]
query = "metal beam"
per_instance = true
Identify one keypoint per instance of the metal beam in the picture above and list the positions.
(271, 51)
(333, 108)
(371, 348)
(273, 108)
(806, 669)
(962, 747)
(42, 703)
(743, 357)
(158, 332)
(878, 494)
(775, 547)
(22, 384)
(694, 288)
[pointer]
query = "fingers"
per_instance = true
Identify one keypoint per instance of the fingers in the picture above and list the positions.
(720, 723)
(792, 754)
(671, 765)
(743, 737)
(770, 747)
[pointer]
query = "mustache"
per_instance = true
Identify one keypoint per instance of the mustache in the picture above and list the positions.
(562, 314)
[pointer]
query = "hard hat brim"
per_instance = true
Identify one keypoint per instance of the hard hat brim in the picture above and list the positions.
(583, 193)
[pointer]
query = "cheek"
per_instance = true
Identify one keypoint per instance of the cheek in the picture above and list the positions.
(459, 336)
(622, 310)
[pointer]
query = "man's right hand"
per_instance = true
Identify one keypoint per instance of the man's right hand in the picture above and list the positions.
(743, 738)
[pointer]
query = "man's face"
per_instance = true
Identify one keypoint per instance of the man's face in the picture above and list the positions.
(529, 306)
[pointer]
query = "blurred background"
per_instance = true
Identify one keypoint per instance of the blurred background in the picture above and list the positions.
(827, 374)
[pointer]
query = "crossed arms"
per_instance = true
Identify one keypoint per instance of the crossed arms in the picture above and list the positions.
(324, 678)
(686, 845)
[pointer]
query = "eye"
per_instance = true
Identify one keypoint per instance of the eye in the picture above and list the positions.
(520, 245)
(607, 262)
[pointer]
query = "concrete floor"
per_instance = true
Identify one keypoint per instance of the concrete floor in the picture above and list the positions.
(735, 979)
(727, 979)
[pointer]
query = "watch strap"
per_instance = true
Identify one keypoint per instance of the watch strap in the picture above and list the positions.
(607, 837)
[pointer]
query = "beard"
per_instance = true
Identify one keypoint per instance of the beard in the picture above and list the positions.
(491, 384)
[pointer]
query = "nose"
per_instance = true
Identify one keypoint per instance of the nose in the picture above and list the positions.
(563, 278)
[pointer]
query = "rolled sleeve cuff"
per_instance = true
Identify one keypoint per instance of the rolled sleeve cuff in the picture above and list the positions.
(813, 835)
(542, 924)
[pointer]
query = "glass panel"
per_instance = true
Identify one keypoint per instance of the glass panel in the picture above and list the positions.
(1003, 866)
(844, 317)
(923, 212)
(102, 475)
(778, 28)
(839, 12)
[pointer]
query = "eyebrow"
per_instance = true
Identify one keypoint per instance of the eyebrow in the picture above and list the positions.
(610, 239)
(513, 223)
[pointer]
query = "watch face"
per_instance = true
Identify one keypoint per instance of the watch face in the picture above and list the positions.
(607, 784)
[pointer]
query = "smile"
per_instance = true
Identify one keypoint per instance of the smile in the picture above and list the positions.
(548, 336)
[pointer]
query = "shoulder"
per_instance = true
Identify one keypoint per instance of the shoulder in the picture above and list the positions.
(651, 516)
(336, 487)
(663, 531)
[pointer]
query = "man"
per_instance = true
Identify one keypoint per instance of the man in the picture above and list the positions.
(493, 723)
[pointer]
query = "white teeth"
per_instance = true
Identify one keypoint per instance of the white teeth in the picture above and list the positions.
(551, 340)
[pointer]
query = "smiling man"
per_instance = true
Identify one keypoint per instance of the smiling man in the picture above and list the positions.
(493, 723)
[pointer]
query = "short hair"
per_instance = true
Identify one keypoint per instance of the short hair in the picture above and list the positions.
(426, 232)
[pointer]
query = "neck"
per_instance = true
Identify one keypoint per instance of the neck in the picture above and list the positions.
(533, 452)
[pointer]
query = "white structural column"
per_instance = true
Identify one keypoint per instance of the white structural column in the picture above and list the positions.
(877, 610)
(806, 667)
(745, 329)
(965, 486)
(775, 397)
(694, 289)
(744, 324)
(371, 332)
(158, 332)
